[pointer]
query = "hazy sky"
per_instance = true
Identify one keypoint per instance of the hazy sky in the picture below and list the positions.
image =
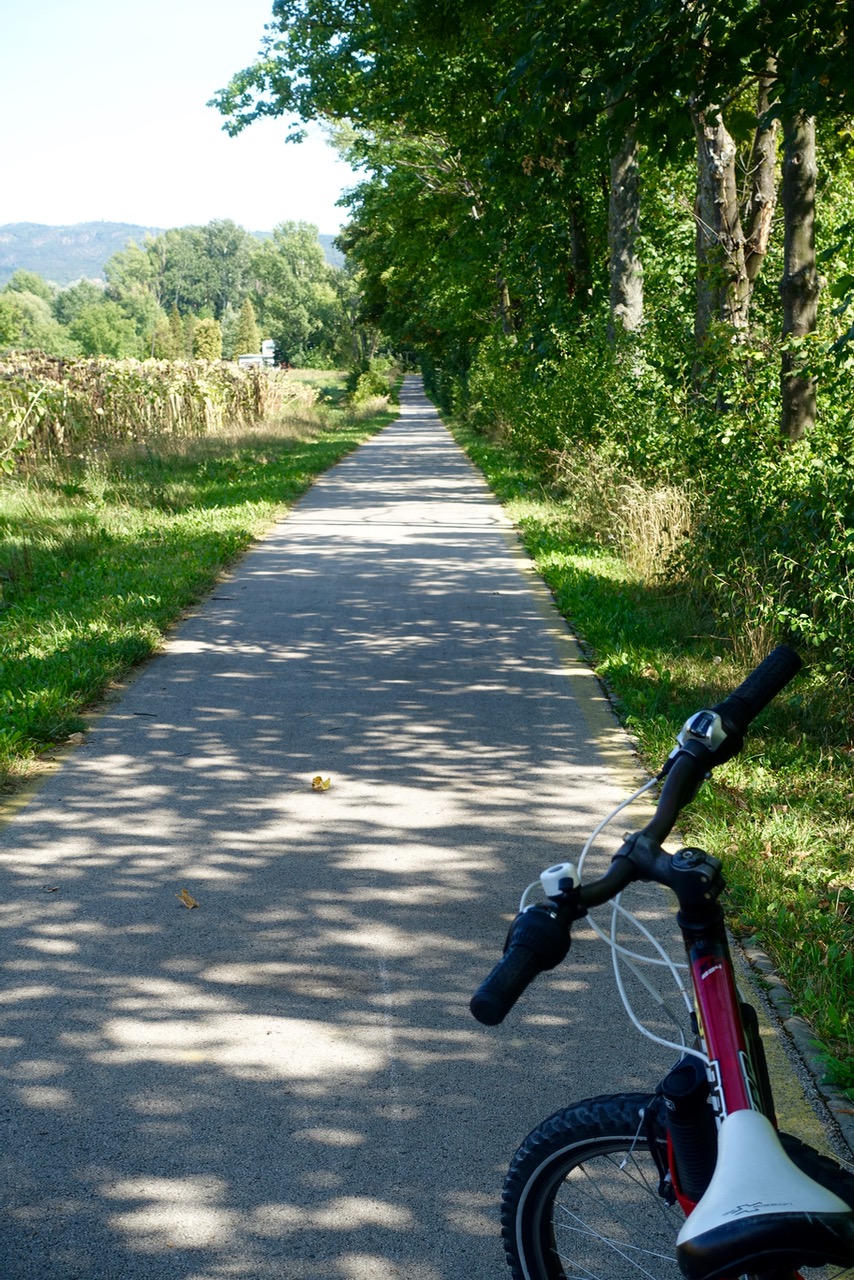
(103, 117)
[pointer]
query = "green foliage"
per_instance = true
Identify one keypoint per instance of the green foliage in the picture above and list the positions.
(190, 274)
(177, 342)
(771, 540)
(207, 340)
(103, 329)
(175, 297)
(30, 283)
(71, 301)
(192, 268)
(247, 339)
(37, 327)
(370, 384)
(188, 332)
(369, 380)
(11, 322)
(295, 296)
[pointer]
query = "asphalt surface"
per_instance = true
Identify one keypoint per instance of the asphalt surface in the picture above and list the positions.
(285, 1081)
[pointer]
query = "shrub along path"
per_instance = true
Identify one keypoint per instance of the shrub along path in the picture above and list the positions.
(284, 1081)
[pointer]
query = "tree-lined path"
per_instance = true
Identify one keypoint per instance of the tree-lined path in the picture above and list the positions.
(285, 1081)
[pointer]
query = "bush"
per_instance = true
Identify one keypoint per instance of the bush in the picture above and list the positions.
(369, 381)
(686, 472)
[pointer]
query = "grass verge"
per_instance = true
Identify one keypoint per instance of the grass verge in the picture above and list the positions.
(781, 815)
(100, 554)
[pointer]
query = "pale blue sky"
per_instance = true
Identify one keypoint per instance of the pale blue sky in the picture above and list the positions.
(103, 117)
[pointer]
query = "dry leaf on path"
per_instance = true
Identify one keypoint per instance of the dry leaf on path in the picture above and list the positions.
(187, 899)
(320, 784)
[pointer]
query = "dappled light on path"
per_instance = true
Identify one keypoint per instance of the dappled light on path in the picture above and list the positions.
(285, 1082)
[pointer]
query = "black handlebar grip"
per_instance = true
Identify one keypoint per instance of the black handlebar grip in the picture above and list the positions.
(538, 940)
(763, 684)
(498, 993)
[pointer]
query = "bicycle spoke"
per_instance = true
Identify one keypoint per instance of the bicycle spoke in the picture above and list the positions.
(599, 1217)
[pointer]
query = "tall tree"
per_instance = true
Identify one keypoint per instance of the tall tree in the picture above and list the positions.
(207, 340)
(228, 249)
(295, 294)
(507, 118)
(23, 281)
(104, 329)
(247, 338)
(721, 273)
(177, 343)
(370, 64)
(70, 302)
(11, 322)
(761, 198)
(192, 268)
(625, 267)
(37, 327)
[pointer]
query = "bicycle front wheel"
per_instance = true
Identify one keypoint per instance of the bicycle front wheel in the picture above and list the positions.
(581, 1198)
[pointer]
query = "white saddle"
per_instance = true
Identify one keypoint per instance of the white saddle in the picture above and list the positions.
(760, 1211)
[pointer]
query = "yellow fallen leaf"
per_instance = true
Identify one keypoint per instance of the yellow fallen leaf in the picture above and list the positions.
(321, 784)
(187, 898)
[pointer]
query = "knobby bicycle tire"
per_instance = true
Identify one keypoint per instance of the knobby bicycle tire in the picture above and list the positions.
(581, 1198)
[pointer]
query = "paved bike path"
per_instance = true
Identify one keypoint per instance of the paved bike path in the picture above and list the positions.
(285, 1081)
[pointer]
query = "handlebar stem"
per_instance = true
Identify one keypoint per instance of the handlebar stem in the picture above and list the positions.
(693, 876)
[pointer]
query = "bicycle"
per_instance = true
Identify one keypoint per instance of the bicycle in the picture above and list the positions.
(691, 1179)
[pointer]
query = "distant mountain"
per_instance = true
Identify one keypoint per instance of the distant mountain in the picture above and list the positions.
(333, 256)
(64, 254)
(79, 252)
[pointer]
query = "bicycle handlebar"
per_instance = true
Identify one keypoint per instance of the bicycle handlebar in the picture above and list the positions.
(697, 755)
(539, 938)
(762, 685)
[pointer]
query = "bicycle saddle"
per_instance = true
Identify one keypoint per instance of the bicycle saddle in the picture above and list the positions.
(760, 1211)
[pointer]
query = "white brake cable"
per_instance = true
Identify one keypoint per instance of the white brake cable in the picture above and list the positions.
(536, 885)
(618, 957)
(621, 955)
(647, 786)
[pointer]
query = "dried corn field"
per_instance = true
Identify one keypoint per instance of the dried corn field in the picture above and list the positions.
(51, 406)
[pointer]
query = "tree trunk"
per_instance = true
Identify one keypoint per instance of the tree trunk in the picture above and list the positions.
(625, 265)
(762, 201)
(800, 284)
(505, 310)
(722, 284)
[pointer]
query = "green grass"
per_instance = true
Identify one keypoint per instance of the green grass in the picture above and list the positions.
(781, 816)
(99, 555)
(331, 383)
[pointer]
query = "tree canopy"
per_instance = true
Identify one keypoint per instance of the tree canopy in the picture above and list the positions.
(502, 145)
(157, 294)
(618, 232)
